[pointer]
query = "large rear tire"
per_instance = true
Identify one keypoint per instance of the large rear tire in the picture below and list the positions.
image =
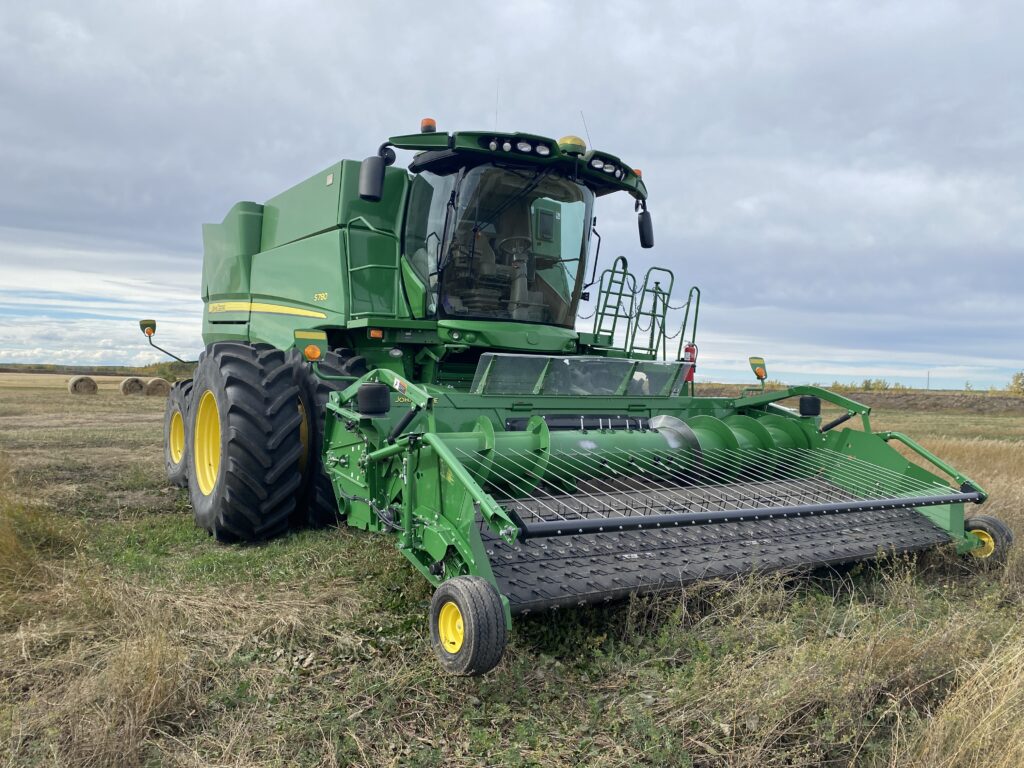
(175, 433)
(244, 452)
(317, 505)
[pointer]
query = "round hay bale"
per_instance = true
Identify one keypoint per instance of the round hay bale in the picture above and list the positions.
(82, 385)
(158, 388)
(133, 385)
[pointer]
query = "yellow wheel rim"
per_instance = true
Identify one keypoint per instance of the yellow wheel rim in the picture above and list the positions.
(176, 440)
(207, 443)
(988, 544)
(449, 627)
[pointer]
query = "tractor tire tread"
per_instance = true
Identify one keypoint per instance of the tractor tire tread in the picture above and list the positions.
(180, 399)
(320, 506)
(260, 443)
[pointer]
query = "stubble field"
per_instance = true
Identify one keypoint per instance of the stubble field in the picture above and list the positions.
(128, 637)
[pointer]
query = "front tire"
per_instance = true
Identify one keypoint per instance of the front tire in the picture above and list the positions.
(175, 433)
(467, 626)
(244, 451)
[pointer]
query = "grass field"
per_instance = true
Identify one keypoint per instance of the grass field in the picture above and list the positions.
(127, 636)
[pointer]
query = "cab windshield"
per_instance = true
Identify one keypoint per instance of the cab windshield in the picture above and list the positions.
(500, 243)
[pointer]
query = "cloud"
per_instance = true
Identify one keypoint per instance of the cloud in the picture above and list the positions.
(79, 304)
(842, 178)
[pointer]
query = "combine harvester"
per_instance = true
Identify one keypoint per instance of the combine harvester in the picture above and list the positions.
(397, 349)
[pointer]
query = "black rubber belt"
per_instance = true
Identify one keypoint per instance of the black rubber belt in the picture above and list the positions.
(547, 573)
(677, 519)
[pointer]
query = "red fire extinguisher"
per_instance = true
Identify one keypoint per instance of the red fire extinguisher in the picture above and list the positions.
(690, 357)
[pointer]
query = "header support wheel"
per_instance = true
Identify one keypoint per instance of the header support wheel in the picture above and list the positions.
(467, 626)
(995, 536)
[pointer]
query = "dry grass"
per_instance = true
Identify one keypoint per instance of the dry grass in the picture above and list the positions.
(98, 670)
(982, 722)
(35, 381)
(127, 637)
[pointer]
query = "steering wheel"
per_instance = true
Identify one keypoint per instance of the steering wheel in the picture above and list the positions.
(515, 248)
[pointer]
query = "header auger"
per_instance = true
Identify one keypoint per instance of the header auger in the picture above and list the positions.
(398, 350)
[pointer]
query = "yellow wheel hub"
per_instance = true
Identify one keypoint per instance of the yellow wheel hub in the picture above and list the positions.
(449, 627)
(988, 544)
(206, 443)
(176, 440)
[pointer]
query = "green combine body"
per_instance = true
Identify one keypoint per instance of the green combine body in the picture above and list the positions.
(398, 350)
(319, 256)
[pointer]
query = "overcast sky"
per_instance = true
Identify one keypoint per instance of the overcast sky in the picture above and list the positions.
(843, 179)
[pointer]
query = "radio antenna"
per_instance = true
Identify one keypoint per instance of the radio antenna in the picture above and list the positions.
(586, 130)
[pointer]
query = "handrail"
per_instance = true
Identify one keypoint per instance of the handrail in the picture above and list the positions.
(920, 450)
(615, 278)
(398, 383)
(657, 312)
(693, 295)
(766, 398)
(853, 407)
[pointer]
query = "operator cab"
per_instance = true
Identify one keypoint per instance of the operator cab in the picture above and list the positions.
(497, 226)
(499, 242)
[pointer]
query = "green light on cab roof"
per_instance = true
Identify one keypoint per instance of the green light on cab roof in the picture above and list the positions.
(572, 145)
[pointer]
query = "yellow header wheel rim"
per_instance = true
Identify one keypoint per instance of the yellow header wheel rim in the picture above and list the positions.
(450, 627)
(176, 439)
(988, 544)
(207, 443)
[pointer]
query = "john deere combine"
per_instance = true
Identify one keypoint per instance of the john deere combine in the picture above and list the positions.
(398, 350)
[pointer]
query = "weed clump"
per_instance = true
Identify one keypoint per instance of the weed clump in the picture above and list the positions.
(109, 714)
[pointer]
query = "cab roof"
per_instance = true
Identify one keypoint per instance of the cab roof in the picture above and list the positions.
(445, 152)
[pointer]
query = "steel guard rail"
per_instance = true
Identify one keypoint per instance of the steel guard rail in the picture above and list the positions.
(676, 520)
(853, 407)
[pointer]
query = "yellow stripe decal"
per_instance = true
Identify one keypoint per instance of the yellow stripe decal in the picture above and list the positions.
(322, 335)
(256, 306)
(277, 309)
(229, 306)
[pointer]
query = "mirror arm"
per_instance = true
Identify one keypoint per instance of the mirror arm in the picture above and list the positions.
(169, 354)
(597, 255)
(149, 337)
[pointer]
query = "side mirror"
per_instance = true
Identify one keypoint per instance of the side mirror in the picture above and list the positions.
(646, 229)
(371, 174)
(371, 178)
(758, 367)
(149, 328)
